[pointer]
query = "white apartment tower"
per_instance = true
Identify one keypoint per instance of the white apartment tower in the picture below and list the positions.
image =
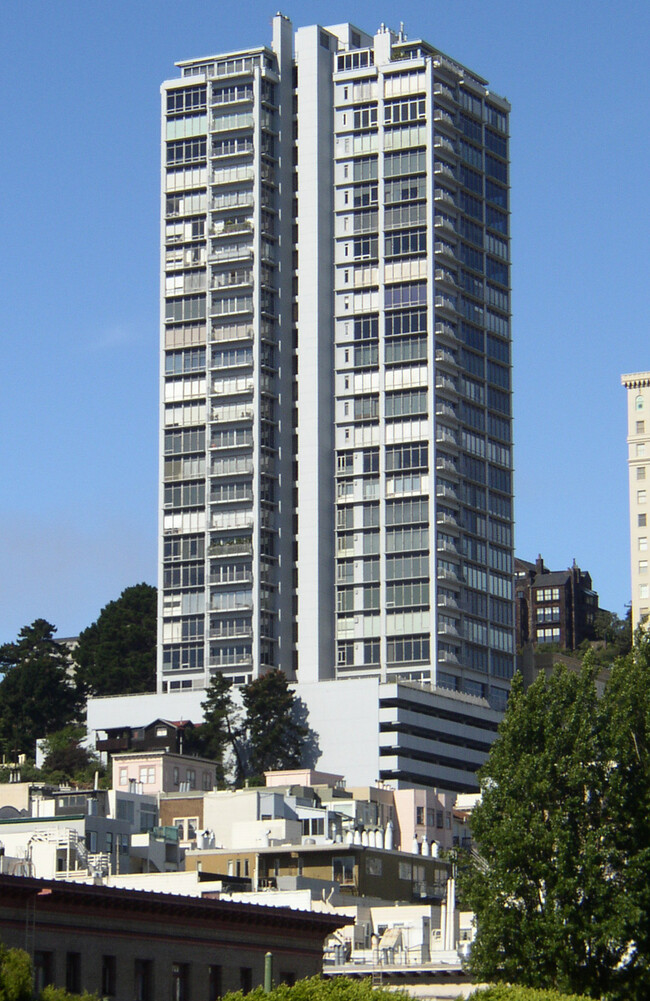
(336, 449)
(638, 446)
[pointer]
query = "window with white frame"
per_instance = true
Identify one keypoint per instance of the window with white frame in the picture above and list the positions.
(548, 635)
(187, 827)
(547, 594)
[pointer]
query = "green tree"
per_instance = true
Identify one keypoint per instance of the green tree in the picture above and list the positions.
(37, 695)
(625, 712)
(116, 655)
(318, 989)
(52, 993)
(560, 883)
(17, 980)
(15, 975)
(616, 633)
(275, 736)
(67, 759)
(514, 992)
(219, 730)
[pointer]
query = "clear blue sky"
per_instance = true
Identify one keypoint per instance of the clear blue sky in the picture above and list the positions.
(79, 271)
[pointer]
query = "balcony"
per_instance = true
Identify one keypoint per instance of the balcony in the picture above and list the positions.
(443, 172)
(442, 143)
(444, 93)
(235, 386)
(442, 249)
(234, 253)
(443, 198)
(229, 227)
(446, 601)
(446, 333)
(236, 547)
(241, 606)
(113, 744)
(231, 280)
(445, 629)
(224, 521)
(230, 123)
(232, 414)
(229, 633)
(232, 175)
(234, 201)
(232, 467)
(445, 303)
(446, 437)
(445, 224)
(445, 277)
(447, 657)
(444, 119)
(245, 497)
(446, 384)
(447, 519)
(232, 332)
(445, 410)
(232, 660)
(447, 465)
(446, 359)
(448, 492)
(228, 581)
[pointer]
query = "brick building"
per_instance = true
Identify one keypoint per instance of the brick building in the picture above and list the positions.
(553, 607)
(133, 945)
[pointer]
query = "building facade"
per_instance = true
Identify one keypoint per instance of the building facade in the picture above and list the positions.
(638, 456)
(554, 607)
(336, 458)
(132, 945)
(403, 733)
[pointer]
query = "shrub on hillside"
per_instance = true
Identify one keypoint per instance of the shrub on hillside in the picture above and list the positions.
(512, 992)
(319, 989)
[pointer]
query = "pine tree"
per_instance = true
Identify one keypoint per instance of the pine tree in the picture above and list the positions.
(37, 693)
(219, 732)
(116, 655)
(275, 736)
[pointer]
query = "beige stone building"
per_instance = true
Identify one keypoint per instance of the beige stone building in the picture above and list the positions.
(638, 457)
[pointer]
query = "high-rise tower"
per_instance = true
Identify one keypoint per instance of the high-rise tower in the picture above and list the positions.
(638, 444)
(336, 493)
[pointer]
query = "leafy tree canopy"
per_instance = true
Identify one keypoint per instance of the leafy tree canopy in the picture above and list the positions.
(615, 635)
(15, 975)
(514, 992)
(116, 655)
(561, 883)
(318, 989)
(275, 736)
(67, 759)
(37, 696)
(17, 979)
